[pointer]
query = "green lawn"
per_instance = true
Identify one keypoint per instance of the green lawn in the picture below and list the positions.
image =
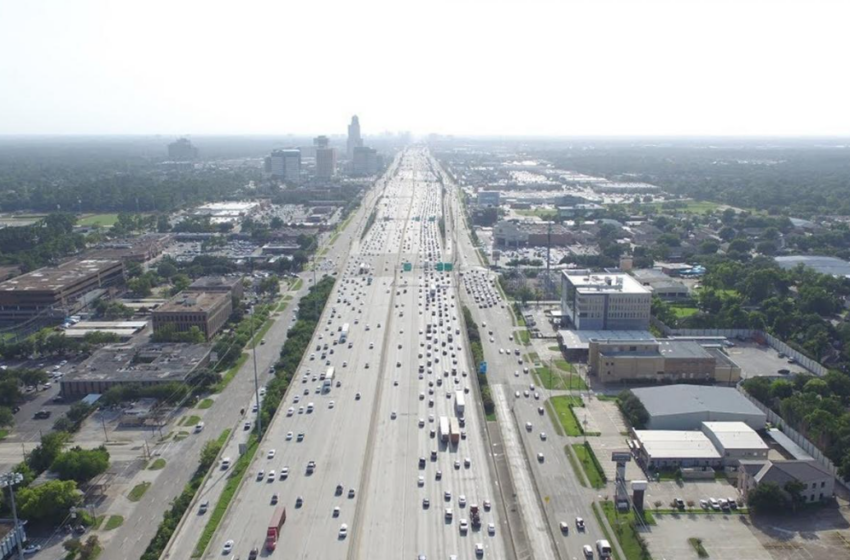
(683, 311)
(3, 433)
(157, 465)
(563, 410)
(205, 404)
(622, 524)
(554, 348)
(102, 220)
(231, 373)
(138, 491)
(98, 521)
(689, 207)
(181, 435)
(190, 420)
(592, 470)
(114, 522)
(542, 213)
(559, 380)
(258, 336)
(237, 472)
(574, 465)
(524, 337)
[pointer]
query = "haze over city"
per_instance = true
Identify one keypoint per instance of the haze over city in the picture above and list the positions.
(466, 68)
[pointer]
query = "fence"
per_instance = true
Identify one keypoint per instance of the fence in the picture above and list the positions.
(796, 437)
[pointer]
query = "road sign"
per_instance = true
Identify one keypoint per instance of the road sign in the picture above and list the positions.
(621, 456)
(482, 367)
(408, 267)
(439, 267)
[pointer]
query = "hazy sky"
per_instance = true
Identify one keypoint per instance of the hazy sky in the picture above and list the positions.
(464, 67)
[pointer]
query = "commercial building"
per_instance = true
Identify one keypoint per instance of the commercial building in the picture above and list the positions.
(671, 449)
(818, 483)
(128, 364)
(488, 198)
(605, 302)
(824, 265)
(137, 249)
(661, 285)
(122, 329)
(354, 139)
(284, 164)
(686, 407)
(226, 284)
(658, 361)
(10, 539)
(325, 158)
(182, 150)
(57, 290)
(365, 162)
(206, 310)
(509, 234)
(735, 441)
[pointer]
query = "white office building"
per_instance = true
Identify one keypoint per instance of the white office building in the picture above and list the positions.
(605, 302)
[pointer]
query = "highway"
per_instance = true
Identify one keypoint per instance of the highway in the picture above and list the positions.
(369, 433)
(548, 491)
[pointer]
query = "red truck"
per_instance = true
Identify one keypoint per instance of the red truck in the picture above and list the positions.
(476, 516)
(273, 532)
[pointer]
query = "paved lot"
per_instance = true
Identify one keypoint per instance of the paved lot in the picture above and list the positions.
(695, 490)
(818, 534)
(725, 537)
(605, 417)
(757, 361)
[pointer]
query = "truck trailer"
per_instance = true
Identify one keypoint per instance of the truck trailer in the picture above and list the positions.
(273, 532)
(454, 430)
(460, 404)
(444, 429)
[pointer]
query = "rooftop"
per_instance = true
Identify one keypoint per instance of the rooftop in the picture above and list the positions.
(660, 444)
(735, 435)
(605, 284)
(825, 265)
(158, 362)
(782, 472)
(682, 349)
(215, 282)
(57, 278)
(580, 340)
(192, 301)
(681, 399)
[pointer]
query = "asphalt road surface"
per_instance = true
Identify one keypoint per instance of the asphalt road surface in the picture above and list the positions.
(366, 435)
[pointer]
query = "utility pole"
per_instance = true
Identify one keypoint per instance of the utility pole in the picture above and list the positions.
(103, 423)
(10, 479)
(256, 381)
(548, 249)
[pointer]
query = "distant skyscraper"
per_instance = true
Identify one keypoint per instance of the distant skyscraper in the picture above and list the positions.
(354, 139)
(365, 162)
(284, 164)
(325, 158)
(182, 150)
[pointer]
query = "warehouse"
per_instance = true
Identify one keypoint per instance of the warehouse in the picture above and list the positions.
(671, 449)
(686, 407)
(735, 441)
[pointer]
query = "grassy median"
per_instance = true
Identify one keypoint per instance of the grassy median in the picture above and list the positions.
(592, 469)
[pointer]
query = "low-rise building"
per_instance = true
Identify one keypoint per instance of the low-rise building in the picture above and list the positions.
(661, 285)
(208, 311)
(686, 407)
(818, 483)
(130, 364)
(672, 449)
(605, 302)
(514, 234)
(735, 441)
(10, 539)
(226, 284)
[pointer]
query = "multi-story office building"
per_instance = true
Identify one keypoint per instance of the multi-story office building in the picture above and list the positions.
(325, 158)
(284, 164)
(182, 150)
(354, 139)
(488, 198)
(206, 310)
(365, 162)
(56, 290)
(605, 302)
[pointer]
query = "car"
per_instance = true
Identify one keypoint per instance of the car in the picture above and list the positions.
(516, 394)
(421, 481)
(565, 527)
(300, 437)
(528, 426)
(393, 415)
(703, 504)
(680, 503)
(479, 550)
(284, 473)
(289, 436)
(588, 551)
(486, 505)
(543, 436)
(228, 546)
(491, 529)
(299, 501)
(351, 493)
(32, 548)
(540, 457)
(714, 503)
(447, 495)
(260, 474)
(457, 464)
(357, 397)
(579, 523)
(449, 514)
(205, 505)
(426, 503)
(274, 499)
(467, 462)
(335, 511)
(438, 475)
(343, 531)
(464, 526)
(290, 411)
(271, 454)
(461, 500)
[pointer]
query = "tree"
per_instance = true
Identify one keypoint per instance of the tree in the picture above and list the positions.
(80, 464)
(140, 286)
(727, 233)
(43, 456)
(50, 501)
(633, 409)
(166, 269)
(781, 389)
(10, 393)
(709, 247)
(758, 388)
(6, 416)
(767, 496)
(740, 245)
(795, 488)
(180, 282)
(817, 387)
(270, 285)
(276, 223)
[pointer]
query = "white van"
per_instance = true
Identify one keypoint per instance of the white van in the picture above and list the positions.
(603, 547)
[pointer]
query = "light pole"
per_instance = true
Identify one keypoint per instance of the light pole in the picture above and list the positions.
(10, 479)
(256, 381)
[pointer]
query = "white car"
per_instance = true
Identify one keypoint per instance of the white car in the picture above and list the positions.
(343, 531)
(271, 454)
(491, 529)
(290, 411)
(288, 436)
(228, 547)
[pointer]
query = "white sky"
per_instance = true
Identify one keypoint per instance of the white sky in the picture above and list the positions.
(464, 67)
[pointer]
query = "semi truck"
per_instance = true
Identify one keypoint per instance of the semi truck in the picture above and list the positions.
(343, 334)
(459, 402)
(328, 380)
(454, 430)
(273, 532)
(444, 429)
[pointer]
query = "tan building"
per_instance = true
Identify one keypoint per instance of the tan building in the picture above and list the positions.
(208, 311)
(818, 483)
(663, 360)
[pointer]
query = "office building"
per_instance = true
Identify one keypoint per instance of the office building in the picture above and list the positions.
(208, 311)
(686, 407)
(671, 449)
(818, 484)
(182, 150)
(226, 284)
(128, 364)
(284, 164)
(325, 158)
(512, 234)
(57, 290)
(661, 285)
(489, 198)
(605, 302)
(365, 162)
(658, 361)
(354, 139)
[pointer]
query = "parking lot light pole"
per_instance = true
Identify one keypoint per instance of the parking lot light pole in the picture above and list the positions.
(10, 479)
(256, 380)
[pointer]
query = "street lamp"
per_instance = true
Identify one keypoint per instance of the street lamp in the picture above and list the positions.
(10, 479)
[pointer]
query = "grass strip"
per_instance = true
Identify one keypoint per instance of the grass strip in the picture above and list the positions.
(576, 468)
(138, 491)
(157, 465)
(604, 528)
(563, 406)
(114, 522)
(237, 473)
(230, 374)
(625, 525)
(297, 286)
(592, 469)
(205, 404)
(553, 416)
(698, 547)
(524, 337)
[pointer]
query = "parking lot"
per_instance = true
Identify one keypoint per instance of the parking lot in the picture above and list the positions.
(724, 537)
(604, 417)
(689, 490)
(758, 361)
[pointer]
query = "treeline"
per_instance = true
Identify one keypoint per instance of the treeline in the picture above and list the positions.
(477, 357)
(817, 407)
(45, 241)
